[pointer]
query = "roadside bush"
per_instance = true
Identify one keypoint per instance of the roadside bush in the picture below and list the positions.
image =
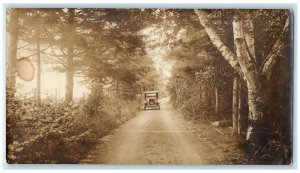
(47, 133)
(186, 96)
(58, 132)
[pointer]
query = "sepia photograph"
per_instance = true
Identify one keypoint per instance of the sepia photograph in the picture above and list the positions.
(149, 86)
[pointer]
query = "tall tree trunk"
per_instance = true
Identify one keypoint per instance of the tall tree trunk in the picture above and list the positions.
(217, 102)
(257, 90)
(13, 32)
(257, 132)
(38, 51)
(12, 47)
(70, 56)
(249, 35)
(69, 75)
(240, 108)
(235, 103)
(209, 98)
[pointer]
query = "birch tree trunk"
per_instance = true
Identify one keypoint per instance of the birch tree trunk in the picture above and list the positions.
(256, 85)
(235, 103)
(240, 108)
(247, 31)
(70, 56)
(13, 32)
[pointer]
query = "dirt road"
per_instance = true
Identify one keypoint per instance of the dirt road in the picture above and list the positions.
(160, 137)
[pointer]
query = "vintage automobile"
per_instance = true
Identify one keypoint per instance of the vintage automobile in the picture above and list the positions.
(151, 100)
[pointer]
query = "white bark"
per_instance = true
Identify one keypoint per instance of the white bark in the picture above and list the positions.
(235, 103)
(255, 85)
(247, 64)
(249, 36)
(249, 69)
(240, 107)
(227, 54)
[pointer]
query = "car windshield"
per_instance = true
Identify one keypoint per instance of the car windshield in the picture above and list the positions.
(151, 98)
(151, 95)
